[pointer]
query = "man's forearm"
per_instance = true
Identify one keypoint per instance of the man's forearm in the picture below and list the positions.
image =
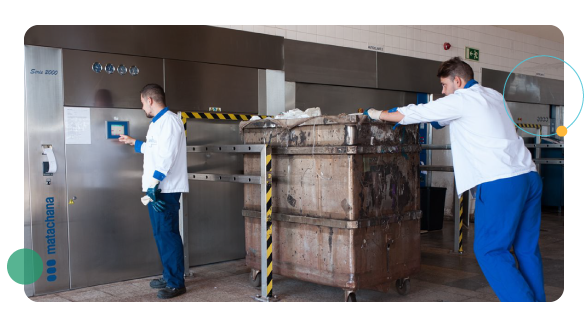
(391, 116)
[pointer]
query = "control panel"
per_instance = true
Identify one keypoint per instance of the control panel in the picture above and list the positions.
(116, 128)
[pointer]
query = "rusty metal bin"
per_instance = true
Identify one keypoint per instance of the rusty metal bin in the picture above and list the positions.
(345, 201)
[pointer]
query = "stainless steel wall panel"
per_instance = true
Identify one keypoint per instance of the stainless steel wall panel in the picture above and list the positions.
(28, 288)
(552, 91)
(525, 88)
(85, 88)
(326, 64)
(522, 88)
(289, 95)
(193, 43)
(557, 113)
(192, 86)
(530, 113)
(271, 92)
(407, 73)
(109, 228)
(44, 112)
(26, 173)
(216, 225)
(334, 100)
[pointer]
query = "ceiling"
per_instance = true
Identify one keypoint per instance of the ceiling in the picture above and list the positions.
(548, 32)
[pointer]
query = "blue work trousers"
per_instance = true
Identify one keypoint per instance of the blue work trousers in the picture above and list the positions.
(507, 214)
(165, 227)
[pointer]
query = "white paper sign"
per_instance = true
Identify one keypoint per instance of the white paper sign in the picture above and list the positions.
(77, 126)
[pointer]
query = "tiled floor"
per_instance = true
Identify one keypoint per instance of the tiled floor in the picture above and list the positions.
(443, 277)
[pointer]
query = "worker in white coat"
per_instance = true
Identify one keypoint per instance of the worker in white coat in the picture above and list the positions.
(163, 180)
(489, 155)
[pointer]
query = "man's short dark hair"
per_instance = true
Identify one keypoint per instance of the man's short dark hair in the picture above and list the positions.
(155, 92)
(455, 67)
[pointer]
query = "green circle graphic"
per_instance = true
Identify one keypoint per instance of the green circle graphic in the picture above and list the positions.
(25, 266)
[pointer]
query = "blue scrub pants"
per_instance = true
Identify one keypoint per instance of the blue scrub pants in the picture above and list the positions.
(507, 214)
(165, 226)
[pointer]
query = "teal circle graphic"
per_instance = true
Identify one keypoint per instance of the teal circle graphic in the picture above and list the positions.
(504, 91)
(25, 266)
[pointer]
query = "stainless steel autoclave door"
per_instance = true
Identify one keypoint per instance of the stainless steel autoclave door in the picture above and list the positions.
(109, 229)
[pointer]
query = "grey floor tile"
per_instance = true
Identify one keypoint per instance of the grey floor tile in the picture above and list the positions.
(444, 277)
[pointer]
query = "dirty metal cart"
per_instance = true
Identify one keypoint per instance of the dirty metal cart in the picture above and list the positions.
(345, 202)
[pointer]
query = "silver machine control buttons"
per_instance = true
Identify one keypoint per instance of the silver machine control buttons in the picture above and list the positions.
(110, 69)
(96, 67)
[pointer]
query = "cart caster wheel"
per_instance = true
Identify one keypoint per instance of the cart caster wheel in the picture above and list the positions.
(255, 278)
(350, 296)
(403, 286)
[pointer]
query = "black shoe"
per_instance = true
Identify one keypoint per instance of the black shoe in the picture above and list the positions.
(158, 283)
(169, 292)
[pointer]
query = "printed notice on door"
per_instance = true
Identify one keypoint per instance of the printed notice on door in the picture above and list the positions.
(77, 126)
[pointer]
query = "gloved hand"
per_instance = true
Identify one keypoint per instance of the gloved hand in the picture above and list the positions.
(373, 113)
(152, 193)
(145, 200)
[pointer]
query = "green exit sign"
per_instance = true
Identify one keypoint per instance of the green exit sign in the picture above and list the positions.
(471, 54)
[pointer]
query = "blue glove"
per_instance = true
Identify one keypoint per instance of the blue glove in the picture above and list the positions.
(436, 125)
(152, 193)
(394, 110)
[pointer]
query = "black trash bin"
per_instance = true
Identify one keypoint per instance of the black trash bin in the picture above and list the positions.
(432, 203)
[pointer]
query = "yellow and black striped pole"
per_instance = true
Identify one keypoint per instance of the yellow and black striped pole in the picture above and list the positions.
(269, 224)
(461, 223)
(266, 225)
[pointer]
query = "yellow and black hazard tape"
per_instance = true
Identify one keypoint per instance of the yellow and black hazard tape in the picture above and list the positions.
(530, 125)
(269, 227)
(461, 224)
(217, 116)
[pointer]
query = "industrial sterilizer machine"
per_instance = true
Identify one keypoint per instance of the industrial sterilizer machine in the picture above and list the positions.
(83, 214)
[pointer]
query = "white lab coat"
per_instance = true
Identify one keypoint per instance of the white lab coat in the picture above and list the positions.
(165, 152)
(484, 143)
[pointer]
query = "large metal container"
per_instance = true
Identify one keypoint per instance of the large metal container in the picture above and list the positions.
(345, 200)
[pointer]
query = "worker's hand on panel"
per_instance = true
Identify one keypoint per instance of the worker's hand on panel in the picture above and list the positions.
(127, 139)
